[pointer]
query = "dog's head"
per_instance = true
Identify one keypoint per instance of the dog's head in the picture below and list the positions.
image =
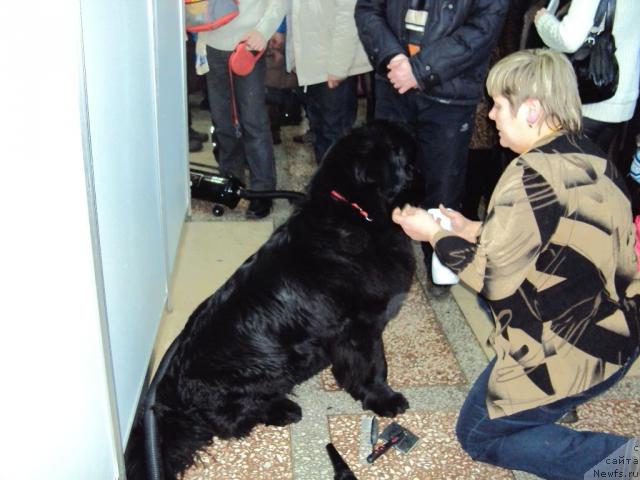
(373, 166)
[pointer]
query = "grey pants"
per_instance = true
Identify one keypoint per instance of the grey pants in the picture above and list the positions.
(254, 147)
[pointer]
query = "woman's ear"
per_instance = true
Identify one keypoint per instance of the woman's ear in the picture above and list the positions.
(534, 111)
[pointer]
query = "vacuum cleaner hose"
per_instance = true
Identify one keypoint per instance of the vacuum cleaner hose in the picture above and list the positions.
(153, 454)
(254, 194)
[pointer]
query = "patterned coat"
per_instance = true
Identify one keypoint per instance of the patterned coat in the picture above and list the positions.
(555, 260)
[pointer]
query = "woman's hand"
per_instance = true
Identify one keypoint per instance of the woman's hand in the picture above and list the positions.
(461, 225)
(255, 40)
(416, 223)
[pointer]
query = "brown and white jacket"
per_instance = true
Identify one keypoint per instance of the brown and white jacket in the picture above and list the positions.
(555, 259)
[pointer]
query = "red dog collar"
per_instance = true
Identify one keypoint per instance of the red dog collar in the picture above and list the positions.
(364, 214)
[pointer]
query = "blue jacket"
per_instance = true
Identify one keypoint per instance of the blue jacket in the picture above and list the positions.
(456, 45)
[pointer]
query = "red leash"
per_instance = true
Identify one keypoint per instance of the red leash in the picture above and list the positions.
(234, 109)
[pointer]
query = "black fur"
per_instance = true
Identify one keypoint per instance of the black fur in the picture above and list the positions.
(319, 292)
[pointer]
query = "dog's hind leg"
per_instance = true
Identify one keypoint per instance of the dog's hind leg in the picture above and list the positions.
(360, 367)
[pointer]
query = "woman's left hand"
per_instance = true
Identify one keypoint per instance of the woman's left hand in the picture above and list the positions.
(416, 222)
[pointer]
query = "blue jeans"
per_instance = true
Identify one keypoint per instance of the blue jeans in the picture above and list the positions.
(331, 112)
(254, 147)
(530, 440)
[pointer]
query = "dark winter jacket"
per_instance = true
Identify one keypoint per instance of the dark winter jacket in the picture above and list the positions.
(455, 49)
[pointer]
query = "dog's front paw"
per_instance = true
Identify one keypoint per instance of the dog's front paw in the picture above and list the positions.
(388, 405)
(283, 412)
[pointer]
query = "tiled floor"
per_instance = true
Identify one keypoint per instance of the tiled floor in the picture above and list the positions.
(435, 349)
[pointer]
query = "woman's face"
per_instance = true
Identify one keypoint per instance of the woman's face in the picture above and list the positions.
(514, 130)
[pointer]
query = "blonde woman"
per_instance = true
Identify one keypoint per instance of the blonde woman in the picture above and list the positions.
(555, 261)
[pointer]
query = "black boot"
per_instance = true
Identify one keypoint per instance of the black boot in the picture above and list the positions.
(194, 135)
(259, 208)
(195, 145)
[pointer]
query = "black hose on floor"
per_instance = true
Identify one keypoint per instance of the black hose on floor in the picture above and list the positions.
(153, 453)
(253, 194)
(207, 183)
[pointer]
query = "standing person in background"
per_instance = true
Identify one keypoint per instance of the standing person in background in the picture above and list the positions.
(602, 120)
(255, 23)
(323, 48)
(555, 260)
(283, 104)
(195, 84)
(431, 58)
(487, 159)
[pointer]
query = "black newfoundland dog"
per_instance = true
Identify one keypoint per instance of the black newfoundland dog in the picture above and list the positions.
(319, 292)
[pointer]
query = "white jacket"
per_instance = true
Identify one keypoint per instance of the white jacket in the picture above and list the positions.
(262, 15)
(322, 39)
(569, 34)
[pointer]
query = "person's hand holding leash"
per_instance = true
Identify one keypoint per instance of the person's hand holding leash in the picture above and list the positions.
(255, 40)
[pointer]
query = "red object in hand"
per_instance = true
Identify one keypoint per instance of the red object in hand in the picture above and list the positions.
(242, 60)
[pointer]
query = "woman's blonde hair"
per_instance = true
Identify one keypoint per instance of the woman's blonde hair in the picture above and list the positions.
(544, 75)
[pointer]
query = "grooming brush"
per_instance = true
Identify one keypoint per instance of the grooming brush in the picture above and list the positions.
(381, 449)
(407, 441)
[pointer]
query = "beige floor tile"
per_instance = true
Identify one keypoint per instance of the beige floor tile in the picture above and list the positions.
(208, 254)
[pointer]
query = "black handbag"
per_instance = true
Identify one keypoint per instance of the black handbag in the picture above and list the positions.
(595, 62)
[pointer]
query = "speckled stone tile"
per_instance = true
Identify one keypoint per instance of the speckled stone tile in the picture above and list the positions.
(416, 349)
(436, 456)
(612, 416)
(264, 455)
